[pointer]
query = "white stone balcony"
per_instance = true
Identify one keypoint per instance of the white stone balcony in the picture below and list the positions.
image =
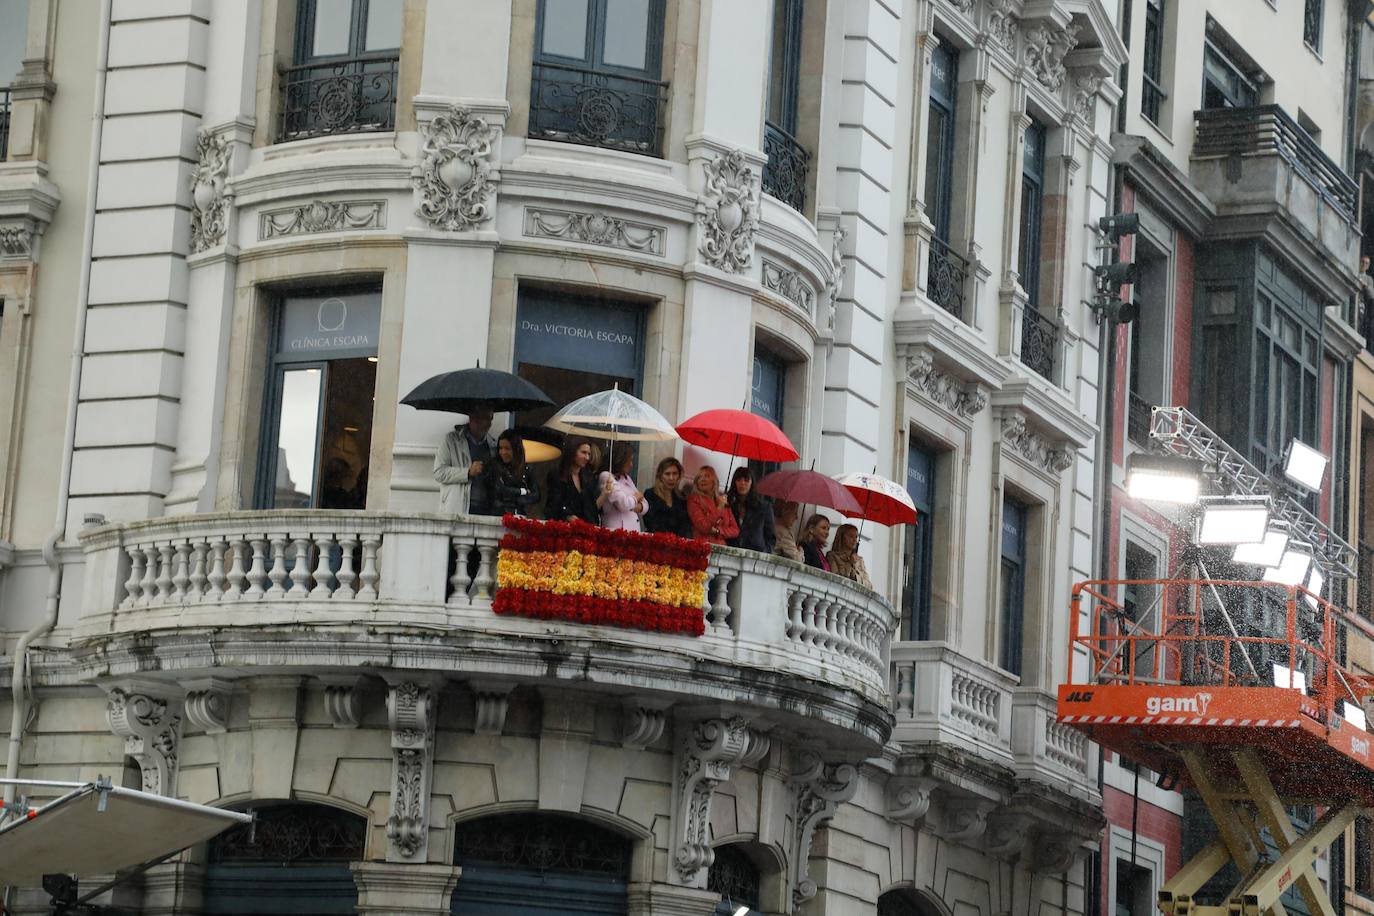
(1044, 749)
(305, 591)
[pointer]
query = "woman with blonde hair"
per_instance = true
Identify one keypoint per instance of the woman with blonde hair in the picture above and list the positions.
(711, 517)
(784, 520)
(844, 556)
(667, 512)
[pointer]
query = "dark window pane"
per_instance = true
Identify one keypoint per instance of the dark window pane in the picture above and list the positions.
(347, 434)
(565, 28)
(1312, 23)
(627, 31)
(383, 25)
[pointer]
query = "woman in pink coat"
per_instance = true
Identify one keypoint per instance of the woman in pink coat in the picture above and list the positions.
(619, 500)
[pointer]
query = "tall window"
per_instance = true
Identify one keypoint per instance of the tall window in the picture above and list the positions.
(1139, 604)
(1134, 892)
(1287, 368)
(1312, 24)
(1152, 94)
(1032, 203)
(344, 78)
(1224, 84)
(317, 429)
(947, 269)
(784, 175)
(766, 398)
(1364, 860)
(596, 74)
(14, 14)
(920, 545)
(736, 878)
(1012, 585)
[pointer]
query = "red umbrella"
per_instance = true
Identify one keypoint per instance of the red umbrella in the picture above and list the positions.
(879, 499)
(739, 433)
(808, 487)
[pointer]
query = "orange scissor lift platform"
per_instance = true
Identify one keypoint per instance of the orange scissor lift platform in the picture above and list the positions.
(1253, 723)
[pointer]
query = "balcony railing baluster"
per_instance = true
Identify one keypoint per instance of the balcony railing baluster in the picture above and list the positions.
(597, 108)
(1039, 337)
(785, 173)
(945, 280)
(338, 97)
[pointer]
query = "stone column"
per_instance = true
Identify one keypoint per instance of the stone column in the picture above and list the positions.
(394, 889)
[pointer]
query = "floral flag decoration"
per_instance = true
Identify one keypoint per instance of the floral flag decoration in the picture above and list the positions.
(577, 572)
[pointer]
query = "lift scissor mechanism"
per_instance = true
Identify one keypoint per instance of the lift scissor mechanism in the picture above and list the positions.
(1236, 690)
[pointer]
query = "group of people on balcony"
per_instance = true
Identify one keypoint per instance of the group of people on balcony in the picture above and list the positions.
(482, 475)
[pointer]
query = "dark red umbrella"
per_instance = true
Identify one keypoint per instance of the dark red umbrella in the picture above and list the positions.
(809, 488)
(739, 433)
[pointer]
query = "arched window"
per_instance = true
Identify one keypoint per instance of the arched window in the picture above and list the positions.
(735, 877)
(293, 860)
(537, 864)
(904, 903)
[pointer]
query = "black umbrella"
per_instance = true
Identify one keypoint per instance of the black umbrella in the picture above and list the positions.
(468, 389)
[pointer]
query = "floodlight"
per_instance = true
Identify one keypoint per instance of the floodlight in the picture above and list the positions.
(1353, 714)
(1315, 581)
(1267, 552)
(1304, 465)
(1289, 678)
(1163, 478)
(742, 911)
(1292, 568)
(1233, 521)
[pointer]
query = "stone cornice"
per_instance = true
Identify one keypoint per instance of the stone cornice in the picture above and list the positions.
(1339, 338)
(956, 346)
(1158, 180)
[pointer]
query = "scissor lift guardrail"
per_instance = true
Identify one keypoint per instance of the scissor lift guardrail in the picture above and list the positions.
(1252, 722)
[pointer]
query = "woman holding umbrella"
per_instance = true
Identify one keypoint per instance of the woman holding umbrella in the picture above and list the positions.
(619, 500)
(711, 517)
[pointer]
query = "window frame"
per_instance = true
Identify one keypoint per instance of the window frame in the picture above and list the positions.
(1011, 584)
(918, 554)
(940, 154)
(1245, 84)
(791, 67)
(1032, 211)
(1313, 19)
(357, 35)
(1153, 94)
(593, 60)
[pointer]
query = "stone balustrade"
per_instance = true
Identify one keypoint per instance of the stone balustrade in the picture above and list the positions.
(340, 569)
(1045, 749)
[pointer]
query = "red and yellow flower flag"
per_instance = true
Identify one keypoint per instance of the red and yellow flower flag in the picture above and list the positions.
(581, 573)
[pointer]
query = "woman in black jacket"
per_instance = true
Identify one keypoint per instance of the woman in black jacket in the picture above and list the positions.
(667, 507)
(572, 487)
(513, 489)
(753, 512)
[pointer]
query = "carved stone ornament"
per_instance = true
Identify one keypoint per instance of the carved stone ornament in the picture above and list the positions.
(963, 398)
(1085, 86)
(643, 725)
(709, 751)
(1003, 25)
(788, 284)
(344, 703)
(209, 195)
(964, 6)
(837, 266)
(729, 213)
(322, 216)
(493, 701)
(595, 229)
(207, 706)
(908, 798)
(151, 729)
(964, 820)
(1032, 446)
(410, 712)
(454, 177)
(1046, 47)
(1054, 853)
(1007, 835)
(820, 789)
(16, 242)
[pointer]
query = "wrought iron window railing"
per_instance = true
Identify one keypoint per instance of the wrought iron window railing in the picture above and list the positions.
(1138, 419)
(1268, 129)
(785, 173)
(338, 97)
(597, 108)
(1039, 335)
(946, 276)
(4, 122)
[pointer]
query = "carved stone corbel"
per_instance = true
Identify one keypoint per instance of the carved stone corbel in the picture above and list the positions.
(210, 194)
(151, 729)
(966, 399)
(709, 751)
(343, 700)
(454, 177)
(729, 213)
(643, 724)
(1007, 834)
(1054, 852)
(410, 709)
(1032, 446)
(207, 704)
(909, 798)
(964, 820)
(837, 267)
(493, 700)
(1046, 46)
(820, 790)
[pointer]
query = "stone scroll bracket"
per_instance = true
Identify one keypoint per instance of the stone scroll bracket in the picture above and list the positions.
(492, 701)
(644, 721)
(207, 704)
(149, 721)
(963, 820)
(708, 751)
(909, 798)
(411, 707)
(819, 788)
(343, 699)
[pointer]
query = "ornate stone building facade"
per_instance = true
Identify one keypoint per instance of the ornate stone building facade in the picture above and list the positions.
(876, 232)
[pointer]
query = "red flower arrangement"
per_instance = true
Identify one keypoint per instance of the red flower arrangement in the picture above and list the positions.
(573, 571)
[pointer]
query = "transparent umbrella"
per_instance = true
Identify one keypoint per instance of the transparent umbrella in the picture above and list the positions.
(613, 415)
